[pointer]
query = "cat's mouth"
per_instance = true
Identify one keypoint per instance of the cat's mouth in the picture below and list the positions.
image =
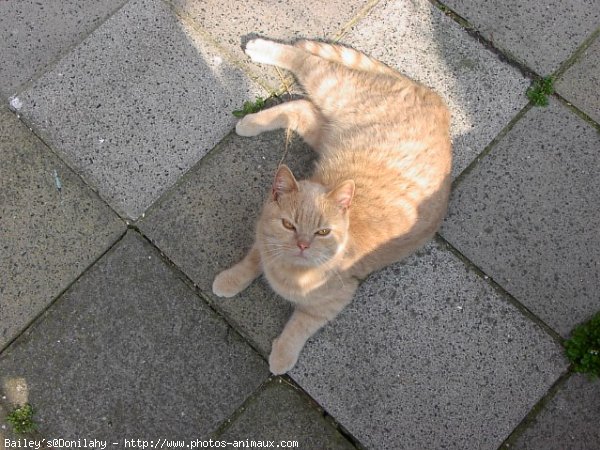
(302, 259)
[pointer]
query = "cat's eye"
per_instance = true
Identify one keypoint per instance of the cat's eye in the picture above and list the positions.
(323, 232)
(287, 224)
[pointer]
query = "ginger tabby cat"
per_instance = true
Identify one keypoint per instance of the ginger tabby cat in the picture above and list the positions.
(378, 192)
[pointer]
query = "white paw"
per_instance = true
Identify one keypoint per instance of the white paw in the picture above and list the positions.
(246, 127)
(226, 285)
(282, 358)
(263, 51)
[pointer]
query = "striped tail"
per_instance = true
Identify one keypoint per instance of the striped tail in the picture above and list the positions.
(347, 57)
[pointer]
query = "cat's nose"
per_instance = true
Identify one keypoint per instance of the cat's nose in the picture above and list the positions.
(303, 245)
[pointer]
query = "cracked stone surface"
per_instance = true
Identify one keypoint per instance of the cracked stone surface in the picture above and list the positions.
(136, 104)
(539, 34)
(34, 34)
(527, 215)
(426, 355)
(48, 236)
(230, 23)
(569, 420)
(582, 78)
(280, 413)
(142, 355)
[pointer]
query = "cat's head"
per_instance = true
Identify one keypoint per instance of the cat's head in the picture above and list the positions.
(303, 223)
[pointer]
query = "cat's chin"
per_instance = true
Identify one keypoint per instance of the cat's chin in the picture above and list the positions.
(300, 261)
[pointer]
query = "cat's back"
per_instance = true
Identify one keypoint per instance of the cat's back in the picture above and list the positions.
(392, 138)
(392, 132)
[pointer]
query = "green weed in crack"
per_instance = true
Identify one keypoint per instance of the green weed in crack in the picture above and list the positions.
(583, 348)
(250, 107)
(539, 91)
(21, 419)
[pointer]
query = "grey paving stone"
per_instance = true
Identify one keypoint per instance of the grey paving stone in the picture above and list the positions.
(483, 93)
(429, 355)
(33, 34)
(580, 84)
(229, 21)
(136, 104)
(528, 215)
(280, 413)
(569, 421)
(539, 34)
(207, 224)
(6, 430)
(130, 351)
(47, 237)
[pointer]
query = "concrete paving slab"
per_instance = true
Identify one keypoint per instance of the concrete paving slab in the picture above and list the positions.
(483, 93)
(540, 35)
(6, 429)
(33, 34)
(569, 421)
(428, 356)
(137, 104)
(130, 351)
(229, 21)
(527, 215)
(206, 224)
(580, 84)
(281, 413)
(48, 235)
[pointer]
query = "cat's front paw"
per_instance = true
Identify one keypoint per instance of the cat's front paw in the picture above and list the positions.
(247, 127)
(228, 284)
(263, 51)
(282, 358)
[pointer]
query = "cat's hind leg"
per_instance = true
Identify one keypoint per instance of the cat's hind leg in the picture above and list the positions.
(346, 56)
(275, 54)
(299, 115)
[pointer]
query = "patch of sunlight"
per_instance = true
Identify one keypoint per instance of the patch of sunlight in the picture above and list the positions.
(15, 390)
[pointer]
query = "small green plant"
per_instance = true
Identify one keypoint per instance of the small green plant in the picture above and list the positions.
(583, 349)
(539, 91)
(21, 419)
(250, 107)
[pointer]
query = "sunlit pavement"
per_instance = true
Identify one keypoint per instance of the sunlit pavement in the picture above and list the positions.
(124, 190)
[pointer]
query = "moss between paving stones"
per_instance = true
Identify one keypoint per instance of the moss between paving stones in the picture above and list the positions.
(21, 419)
(583, 348)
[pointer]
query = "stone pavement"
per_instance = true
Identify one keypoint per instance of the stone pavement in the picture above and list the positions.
(123, 191)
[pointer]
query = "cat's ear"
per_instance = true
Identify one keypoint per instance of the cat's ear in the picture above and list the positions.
(342, 194)
(284, 182)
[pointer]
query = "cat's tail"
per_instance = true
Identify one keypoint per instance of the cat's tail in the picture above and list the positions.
(346, 56)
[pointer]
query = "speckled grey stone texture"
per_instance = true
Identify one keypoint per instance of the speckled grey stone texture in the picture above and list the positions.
(33, 34)
(230, 21)
(528, 215)
(580, 84)
(206, 224)
(5, 428)
(483, 93)
(47, 237)
(428, 356)
(281, 413)
(539, 34)
(569, 421)
(131, 351)
(136, 104)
